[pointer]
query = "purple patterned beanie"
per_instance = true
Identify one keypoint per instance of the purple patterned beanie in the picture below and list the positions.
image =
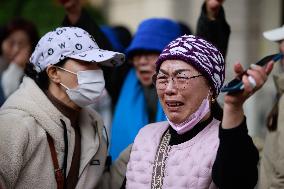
(202, 55)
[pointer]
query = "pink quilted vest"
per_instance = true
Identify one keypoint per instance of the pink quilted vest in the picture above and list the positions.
(188, 166)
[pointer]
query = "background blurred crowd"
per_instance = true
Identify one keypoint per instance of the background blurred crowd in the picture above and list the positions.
(124, 26)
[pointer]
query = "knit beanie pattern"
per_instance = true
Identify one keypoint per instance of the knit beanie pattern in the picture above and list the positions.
(199, 53)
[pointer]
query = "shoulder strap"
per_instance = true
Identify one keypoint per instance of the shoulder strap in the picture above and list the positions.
(159, 163)
(272, 118)
(58, 172)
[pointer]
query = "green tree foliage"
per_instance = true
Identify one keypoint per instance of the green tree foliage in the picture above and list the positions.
(46, 14)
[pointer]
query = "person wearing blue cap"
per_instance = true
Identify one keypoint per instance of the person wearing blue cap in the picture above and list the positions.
(138, 103)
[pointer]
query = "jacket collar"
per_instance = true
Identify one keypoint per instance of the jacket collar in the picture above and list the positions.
(31, 99)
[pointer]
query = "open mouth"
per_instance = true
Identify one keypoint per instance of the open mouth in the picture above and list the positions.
(144, 72)
(174, 104)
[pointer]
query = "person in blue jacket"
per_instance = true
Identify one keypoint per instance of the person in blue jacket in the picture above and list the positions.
(138, 103)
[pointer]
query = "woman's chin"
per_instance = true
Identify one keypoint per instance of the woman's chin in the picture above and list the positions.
(175, 119)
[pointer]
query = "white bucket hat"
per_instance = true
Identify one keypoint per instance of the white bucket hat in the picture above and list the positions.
(71, 42)
(275, 34)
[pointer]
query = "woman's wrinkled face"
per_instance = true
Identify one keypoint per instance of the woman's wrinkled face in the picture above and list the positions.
(181, 89)
(144, 64)
(14, 44)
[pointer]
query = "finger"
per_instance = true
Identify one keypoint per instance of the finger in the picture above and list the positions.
(269, 67)
(258, 73)
(258, 78)
(258, 68)
(248, 88)
(252, 81)
(238, 68)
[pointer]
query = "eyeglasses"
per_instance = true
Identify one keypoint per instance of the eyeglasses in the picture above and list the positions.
(180, 80)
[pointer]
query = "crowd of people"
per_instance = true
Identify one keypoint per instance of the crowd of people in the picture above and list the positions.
(89, 106)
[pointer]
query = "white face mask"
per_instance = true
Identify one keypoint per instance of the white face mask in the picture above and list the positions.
(193, 119)
(91, 84)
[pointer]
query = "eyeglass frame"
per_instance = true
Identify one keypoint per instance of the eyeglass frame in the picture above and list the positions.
(154, 80)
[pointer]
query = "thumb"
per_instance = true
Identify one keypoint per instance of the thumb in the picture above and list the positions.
(238, 68)
(269, 67)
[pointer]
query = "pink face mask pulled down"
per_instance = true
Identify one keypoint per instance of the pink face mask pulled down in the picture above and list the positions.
(193, 119)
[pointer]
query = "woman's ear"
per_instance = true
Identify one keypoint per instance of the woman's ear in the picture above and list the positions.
(211, 95)
(52, 73)
(211, 92)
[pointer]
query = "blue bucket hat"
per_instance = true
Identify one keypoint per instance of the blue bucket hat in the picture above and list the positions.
(153, 35)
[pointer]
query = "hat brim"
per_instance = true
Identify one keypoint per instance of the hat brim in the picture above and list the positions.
(146, 43)
(102, 57)
(275, 34)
